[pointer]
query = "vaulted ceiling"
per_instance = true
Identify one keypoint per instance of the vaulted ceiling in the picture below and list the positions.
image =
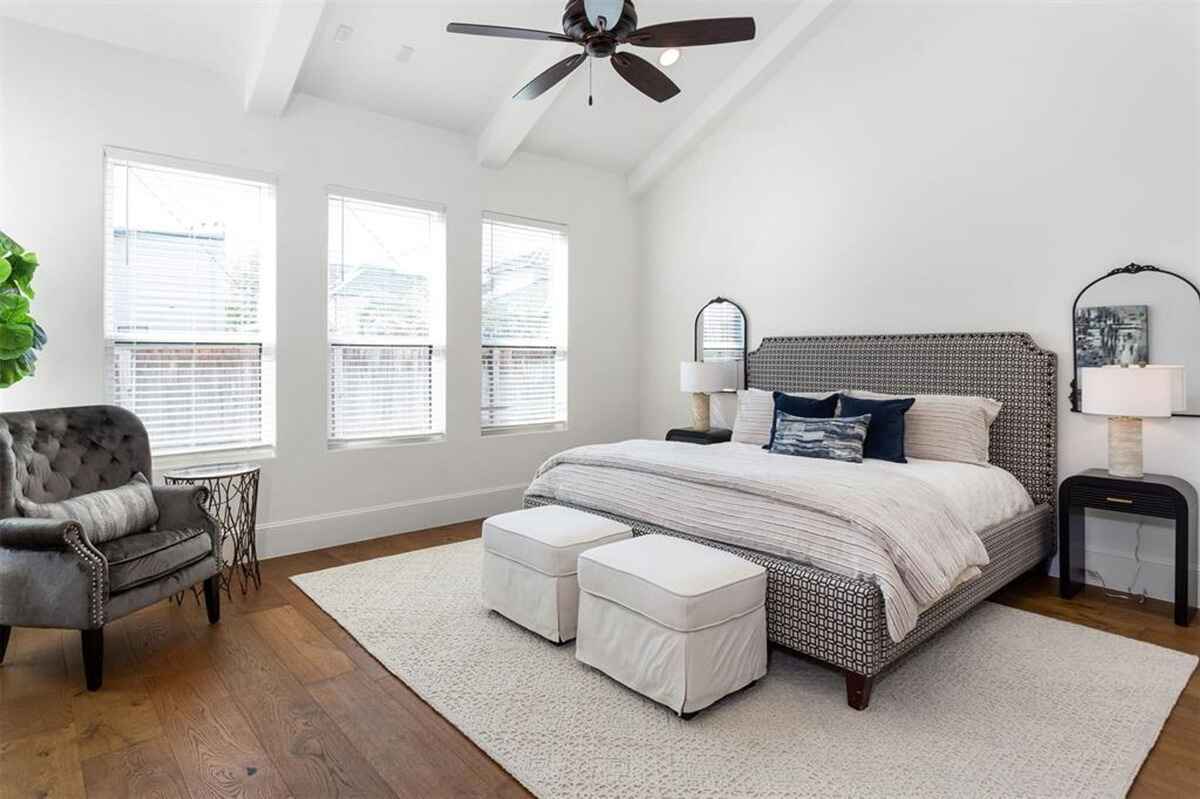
(396, 58)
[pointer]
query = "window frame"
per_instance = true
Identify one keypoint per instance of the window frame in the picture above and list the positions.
(332, 444)
(265, 448)
(555, 425)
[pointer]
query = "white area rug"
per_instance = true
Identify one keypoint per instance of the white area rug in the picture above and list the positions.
(1003, 704)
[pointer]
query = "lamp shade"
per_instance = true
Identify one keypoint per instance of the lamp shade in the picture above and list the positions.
(1130, 391)
(1178, 386)
(705, 377)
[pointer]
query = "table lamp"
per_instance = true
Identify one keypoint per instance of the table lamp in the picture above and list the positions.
(1126, 395)
(701, 378)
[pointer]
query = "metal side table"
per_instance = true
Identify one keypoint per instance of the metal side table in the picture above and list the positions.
(233, 502)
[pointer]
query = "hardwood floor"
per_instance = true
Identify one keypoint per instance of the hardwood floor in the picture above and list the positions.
(277, 701)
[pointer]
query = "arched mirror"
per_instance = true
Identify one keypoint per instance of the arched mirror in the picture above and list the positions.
(1139, 315)
(720, 334)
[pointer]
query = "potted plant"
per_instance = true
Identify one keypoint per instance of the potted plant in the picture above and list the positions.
(21, 337)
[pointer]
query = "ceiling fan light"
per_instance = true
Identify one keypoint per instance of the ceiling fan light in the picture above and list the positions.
(609, 9)
(669, 57)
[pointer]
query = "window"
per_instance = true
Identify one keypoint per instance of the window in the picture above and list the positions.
(387, 300)
(189, 316)
(524, 358)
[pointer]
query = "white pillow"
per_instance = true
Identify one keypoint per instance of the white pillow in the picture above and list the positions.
(756, 409)
(943, 427)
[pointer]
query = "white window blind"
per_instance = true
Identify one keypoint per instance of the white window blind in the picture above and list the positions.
(524, 323)
(189, 315)
(387, 284)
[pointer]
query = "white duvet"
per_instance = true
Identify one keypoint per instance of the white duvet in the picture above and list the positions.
(911, 528)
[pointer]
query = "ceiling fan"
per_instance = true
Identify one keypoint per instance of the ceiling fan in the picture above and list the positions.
(600, 26)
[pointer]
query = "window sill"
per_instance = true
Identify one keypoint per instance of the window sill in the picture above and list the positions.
(377, 443)
(212, 457)
(523, 429)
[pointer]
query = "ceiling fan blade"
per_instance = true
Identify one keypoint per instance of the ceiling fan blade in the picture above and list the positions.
(694, 32)
(644, 76)
(506, 33)
(547, 79)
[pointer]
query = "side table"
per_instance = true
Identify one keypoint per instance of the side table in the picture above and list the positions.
(233, 502)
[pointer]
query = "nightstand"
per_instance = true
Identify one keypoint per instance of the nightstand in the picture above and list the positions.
(717, 435)
(1154, 495)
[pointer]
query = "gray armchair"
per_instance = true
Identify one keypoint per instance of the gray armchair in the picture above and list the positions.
(51, 574)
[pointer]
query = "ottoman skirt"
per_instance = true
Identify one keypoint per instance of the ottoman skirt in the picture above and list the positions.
(686, 671)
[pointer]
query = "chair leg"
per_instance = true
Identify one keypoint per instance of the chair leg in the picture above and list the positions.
(5, 632)
(93, 657)
(212, 598)
(858, 690)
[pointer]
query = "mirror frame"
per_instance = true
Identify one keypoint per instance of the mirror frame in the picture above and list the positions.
(745, 331)
(1130, 269)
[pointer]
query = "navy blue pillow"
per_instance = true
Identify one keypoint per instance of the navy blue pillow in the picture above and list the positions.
(885, 435)
(801, 406)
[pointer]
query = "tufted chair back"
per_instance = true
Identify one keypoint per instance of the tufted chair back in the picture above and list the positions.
(57, 453)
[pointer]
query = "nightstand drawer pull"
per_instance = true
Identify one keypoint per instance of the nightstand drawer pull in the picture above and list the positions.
(1120, 500)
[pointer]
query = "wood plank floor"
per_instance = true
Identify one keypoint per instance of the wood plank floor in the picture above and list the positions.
(277, 700)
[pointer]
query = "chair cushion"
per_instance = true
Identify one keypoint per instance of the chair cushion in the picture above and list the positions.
(145, 557)
(104, 515)
(549, 539)
(679, 584)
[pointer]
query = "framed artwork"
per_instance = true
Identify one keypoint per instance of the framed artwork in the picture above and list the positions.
(1112, 334)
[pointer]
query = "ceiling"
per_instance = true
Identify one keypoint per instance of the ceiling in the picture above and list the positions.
(454, 82)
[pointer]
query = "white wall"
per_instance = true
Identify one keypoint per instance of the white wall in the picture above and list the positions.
(942, 167)
(66, 98)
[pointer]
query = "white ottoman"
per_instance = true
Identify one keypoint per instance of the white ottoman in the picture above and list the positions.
(679, 622)
(529, 565)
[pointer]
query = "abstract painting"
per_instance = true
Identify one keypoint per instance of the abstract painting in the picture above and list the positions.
(1112, 334)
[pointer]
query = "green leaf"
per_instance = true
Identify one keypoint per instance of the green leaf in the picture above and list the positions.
(5, 269)
(23, 267)
(8, 244)
(13, 307)
(15, 339)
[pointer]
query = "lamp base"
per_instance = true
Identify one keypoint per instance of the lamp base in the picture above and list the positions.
(1125, 446)
(700, 419)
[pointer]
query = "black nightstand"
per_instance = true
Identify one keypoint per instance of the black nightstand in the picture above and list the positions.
(1155, 495)
(717, 435)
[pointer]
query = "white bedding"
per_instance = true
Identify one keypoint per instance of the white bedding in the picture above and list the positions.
(911, 528)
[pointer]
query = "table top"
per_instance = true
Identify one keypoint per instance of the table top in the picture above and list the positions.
(210, 471)
(1178, 483)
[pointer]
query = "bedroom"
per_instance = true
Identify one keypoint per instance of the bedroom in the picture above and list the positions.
(858, 168)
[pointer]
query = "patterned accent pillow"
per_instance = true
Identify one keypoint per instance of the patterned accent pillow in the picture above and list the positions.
(104, 515)
(837, 439)
(756, 411)
(943, 427)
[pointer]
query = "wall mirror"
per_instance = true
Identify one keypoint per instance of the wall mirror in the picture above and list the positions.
(721, 333)
(1139, 314)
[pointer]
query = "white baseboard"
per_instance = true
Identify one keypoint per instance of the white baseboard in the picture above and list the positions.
(1157, 577)
(290, 536)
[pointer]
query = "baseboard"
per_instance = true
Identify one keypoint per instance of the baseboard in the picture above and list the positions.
(290, 536)
(1157, 577)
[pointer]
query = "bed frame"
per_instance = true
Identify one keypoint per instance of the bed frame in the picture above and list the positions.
(840, 620)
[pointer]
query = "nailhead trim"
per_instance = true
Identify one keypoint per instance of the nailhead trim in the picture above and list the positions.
(97, 569)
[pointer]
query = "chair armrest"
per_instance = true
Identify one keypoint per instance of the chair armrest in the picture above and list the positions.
(19, 532)
(51, 555)
(181, 507)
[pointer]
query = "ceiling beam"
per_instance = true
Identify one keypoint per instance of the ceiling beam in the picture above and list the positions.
(514, 119)
(287, 33)
(741, 82)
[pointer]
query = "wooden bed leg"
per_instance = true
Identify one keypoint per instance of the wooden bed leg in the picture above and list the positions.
(858, 690)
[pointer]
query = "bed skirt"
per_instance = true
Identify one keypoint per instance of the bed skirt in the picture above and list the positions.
(840, 620)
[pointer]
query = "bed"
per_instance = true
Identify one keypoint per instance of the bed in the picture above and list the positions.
(842, 619)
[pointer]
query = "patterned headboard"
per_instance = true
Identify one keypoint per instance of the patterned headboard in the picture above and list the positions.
(1008, 367)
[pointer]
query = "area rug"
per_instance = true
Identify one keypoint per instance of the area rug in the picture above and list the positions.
(1004, 703)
